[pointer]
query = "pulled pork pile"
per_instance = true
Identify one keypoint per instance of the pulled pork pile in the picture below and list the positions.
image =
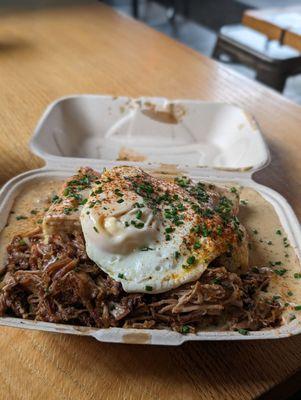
(56, 282)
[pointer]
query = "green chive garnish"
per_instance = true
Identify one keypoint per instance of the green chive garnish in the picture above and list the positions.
(191, 260)
(280, 272)
(185, 329)
(243, 331)
(19, 217)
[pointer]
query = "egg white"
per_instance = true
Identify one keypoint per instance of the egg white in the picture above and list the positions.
(141, 258)
(129, 235)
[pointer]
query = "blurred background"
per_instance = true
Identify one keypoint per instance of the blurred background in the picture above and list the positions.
(250, 36)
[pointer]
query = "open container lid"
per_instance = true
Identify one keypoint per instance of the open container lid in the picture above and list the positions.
(152, 130)
(95, 130)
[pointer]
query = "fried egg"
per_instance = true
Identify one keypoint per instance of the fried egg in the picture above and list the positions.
(154, 235)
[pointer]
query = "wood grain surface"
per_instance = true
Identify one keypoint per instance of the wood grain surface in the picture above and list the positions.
(274, 23)
(50, 53)
(256, 20)
(293, 38)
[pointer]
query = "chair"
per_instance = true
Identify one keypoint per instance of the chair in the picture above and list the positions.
(273, 62)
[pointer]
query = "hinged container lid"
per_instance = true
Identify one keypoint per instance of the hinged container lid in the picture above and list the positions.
(183, 132)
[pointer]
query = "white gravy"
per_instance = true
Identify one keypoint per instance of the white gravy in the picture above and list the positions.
(266, 236)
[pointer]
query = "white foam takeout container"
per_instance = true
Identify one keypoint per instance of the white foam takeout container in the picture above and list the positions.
(207, 141)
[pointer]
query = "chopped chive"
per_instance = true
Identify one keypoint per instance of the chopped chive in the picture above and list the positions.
(278, 232)
(19, 217)
(33, 212)
(139, 214)
(177, 254)
(219, 230)
(148, 288)
(185, 329)
(274, 263)
(285, 242)
(243, 331)
(118, 193)
(290, 293)
(233, 190)
(55, 198)
(207, 213)
(183, 181)
(191, 260)
(197, 245)
(83, 202)
(138, 225)
(280, 272)
(120, 201)
(178, 223)
(39, 221)
(67, 210)
(96, 230)
(297, 275)
(121, 276)
(22, 242)
(297, 308)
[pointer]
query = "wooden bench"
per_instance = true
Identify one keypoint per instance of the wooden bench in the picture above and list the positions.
(272, 61)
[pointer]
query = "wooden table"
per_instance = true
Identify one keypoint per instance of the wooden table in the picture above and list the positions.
(51, 53)
(282, 24)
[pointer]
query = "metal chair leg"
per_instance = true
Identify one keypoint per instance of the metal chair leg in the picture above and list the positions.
(135, 8)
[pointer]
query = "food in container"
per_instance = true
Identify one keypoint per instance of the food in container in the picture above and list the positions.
(233, 150)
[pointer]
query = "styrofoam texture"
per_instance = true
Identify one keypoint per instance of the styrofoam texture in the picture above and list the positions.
(82, 130)
(97, 127)
(154, 336)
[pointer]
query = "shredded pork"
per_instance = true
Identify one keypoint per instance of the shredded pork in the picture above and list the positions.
(56, 282)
